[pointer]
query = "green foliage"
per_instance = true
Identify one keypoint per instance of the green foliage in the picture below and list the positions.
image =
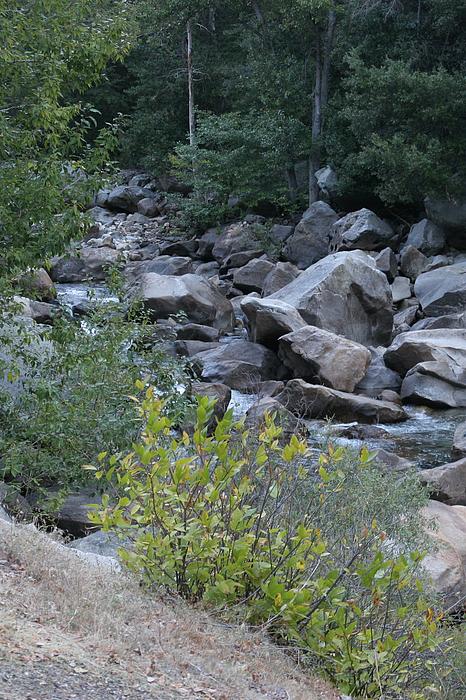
(246, 155)
(400, 129)
(50, 51)
(217, 520)
(66, 393)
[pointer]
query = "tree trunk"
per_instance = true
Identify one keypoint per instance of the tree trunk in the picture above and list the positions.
(292, 183)
(323, 58)
(192, 118)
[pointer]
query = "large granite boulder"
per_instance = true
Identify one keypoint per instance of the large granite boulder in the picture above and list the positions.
(448, 321)
(345, 294)
(411, 348)
(361, 230)
(378, 376)
(91, 264)
(166, 295)
(315, 401)
(269, 406)
(450, 215)
(447, 482)
(427, 237)
(233, 239)
(282, 274)
(459, 442)
(438, 384)
(251, 277)
(126, 198)
(387, 263)
(446, 564)
(318, 356)
(269, 319)
(442, 291)
(195, 331)
(239, 364)
(412, 262)
(310, 240)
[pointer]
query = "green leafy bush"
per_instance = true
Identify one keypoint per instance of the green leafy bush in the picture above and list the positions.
(65, 393)
(220, 519)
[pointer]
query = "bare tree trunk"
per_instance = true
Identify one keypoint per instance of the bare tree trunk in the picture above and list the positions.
(323, 57)
(192, 118)
(292, 183)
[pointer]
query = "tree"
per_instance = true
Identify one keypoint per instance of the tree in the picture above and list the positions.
(50, 52)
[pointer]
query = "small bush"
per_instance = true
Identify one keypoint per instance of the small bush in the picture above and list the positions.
(220, 519)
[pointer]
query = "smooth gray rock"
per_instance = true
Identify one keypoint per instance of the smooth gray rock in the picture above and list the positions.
(239, 364)
(252, 276)
(442, 291)
(378, 376)
(412, 262)
(446, 562)
(315, 401)
(438, 384)
(392, 462)
(442, 345)
(361, 230)
(449, 321)
(189, 348)
(168, 265)
(450, 215)
(387, 263)
(269, 319)
(310, 240)
(327, 180)
(105, 544)
(448, 482)
(345, 294)
(207, 269)
(427, 237)
(38, 311)
(126, 198)
(401, 289)
(282, 274)
(165, 295)
(459, 442)
(91, 264)
(280, 233)
(318, 356)
(151, 206)
(243, 257)
(4, 516)
(195, 331)
(269, 406)
(233, 239)
(183, 248)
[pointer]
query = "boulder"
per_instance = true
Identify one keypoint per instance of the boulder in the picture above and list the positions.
(390, 396)
(195, 331)
(438, 261)
(345, 294)
(290, 424)
(207, 269)
(310, 240)
(219, 392)
(282, 274)
(442, 291)
(126, 198)
(251, 277)
(392, 462)
(412, 262)
(378, 376)
(151, 206)
(73, 516)
(427, 237)
(166, 295)
(105, 544)
(269, 319)
(239, 364)
(207, 241)
(234, 239)
(38, 311)
(446, 563)
(91, 264)
(387, 263)
(359, 432)
(101, 216)
(184, 248)
(315, 401)
(450, 215)
(328, 181)
(401, 289)
(241, 258)
(319, 356)
(189, 348)
(37, 283)
(448, 321)
(168, 265)
(279, 233)
(4, 516)
(411, 348)
(438, 384)
(447, 482)
(405, 317)
(459, 442)
(361, 230)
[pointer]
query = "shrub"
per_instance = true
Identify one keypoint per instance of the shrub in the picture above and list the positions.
(220, 519)
(66, 393)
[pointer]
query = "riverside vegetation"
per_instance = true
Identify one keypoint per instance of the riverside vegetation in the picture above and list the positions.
(326, 552)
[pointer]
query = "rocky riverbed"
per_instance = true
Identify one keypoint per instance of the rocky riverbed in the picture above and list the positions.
(343, 316)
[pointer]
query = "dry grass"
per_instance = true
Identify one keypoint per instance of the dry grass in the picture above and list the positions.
(102, 618)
